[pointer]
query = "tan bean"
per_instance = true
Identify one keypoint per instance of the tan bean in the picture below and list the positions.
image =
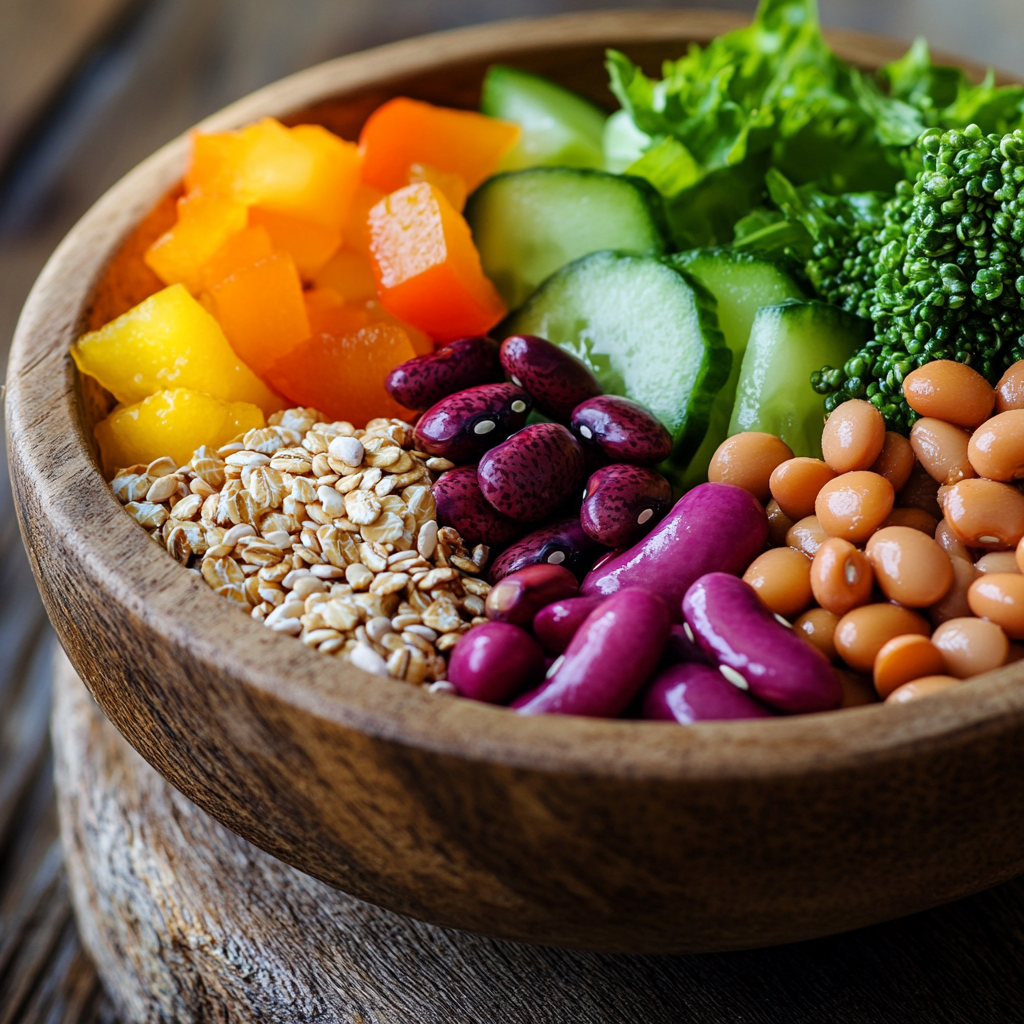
(951, 543)
(924, 687)
(1000, 599)
(778, 524)
(748, 460)
(841, 576)
(854, 505)
(996, 448)
(818, 626)
(1010, 389)
(942, 449)
(971, 646)
(861, 633)
(806, 536)
(904, 658)
(1020, 554)
(858, 689)
(915, 518)
(910, 567)
(920, 491)
(997, 561)
(782, 579)
(795, 485)
(853, 436)
(896, 461)
(954, 605)
(985, 514)
(949, 391)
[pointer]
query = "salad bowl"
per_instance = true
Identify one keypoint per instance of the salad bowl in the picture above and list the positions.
(611, 835)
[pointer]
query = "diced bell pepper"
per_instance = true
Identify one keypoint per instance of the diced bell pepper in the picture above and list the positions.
(356, 234)
(349, 273)
(310, 244)
(452, 185)
(241, 250)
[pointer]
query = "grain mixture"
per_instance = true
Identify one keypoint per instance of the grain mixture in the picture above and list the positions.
(325, 532)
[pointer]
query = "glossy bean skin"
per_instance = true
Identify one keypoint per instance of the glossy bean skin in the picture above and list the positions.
(681, 646)
(950, 391)
(950, 542)
(562, 542)
(1010, 389)
(853, 437)
(954, 605)
(985, 514)
(915, 518)
(779, 524)
(782, 579)
(623, 430)
(778, 667)
(818, 626)
(688, 543)
(423, 381)
(461, 427)
(896, 461)
(909, 566)
(942, 449)
(841, 577)
(971, 646)
(997, 561)
(862, 632)
(795, 484)
(494, 662)
(519, 596)
(556, 624)
(461, 505)
(528, 476)
(806, 536)
(556, 379)
(996, 448)
(919, 688)
(854, 505)
(903, 659)
(689, 693)
(609, 660)
(623, 503)
(1000, 599)
(748, 460)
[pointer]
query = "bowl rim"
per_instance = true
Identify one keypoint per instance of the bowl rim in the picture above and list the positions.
(50, 454)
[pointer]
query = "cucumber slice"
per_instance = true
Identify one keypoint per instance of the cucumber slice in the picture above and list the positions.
(648, 330)
(787, 344)
(741, 283)
(560, 127)
(527, 224)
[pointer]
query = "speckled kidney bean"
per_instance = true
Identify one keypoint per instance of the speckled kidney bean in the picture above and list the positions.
(528, 476)
(461, 506)
(698, 693)
(420, 382)
(755, 651)
(495, 661)
(463, 426)
(557, 380)
(556, 624)
(520, 595)
(623, 503)
(623, 430)
(562, 542)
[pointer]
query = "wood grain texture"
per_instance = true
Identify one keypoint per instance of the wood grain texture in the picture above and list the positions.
(607, 835)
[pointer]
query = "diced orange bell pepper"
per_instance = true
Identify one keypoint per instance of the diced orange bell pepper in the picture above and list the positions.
(239, 251)
(310, 244)
(349, 274)
(421, 342)
(403, 132)
(427, 269)
(452, 185)
(356, 233)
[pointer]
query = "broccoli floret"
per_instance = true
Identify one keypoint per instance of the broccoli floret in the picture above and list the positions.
(939, 270)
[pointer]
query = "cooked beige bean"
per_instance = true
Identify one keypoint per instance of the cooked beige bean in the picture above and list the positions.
(920, 491)
(909, 566)
(997, 561)
(985, 514)
(853, 506)
(923, 687)
(1010, 389)
(954, 605)
(949, 391)
(904, 658)
(951, 543)
(748, 460)
(996, 449)
(853, 436)
(858, 689)
(1020, 554)
(795, 484)
(896, 462)
(1000, 599)
(806, 536)
(862, 633)
(942, 449)
(818, 626)
(778, 524)
(841, 576)
(915, 518)
(782, 579)
(971, 646)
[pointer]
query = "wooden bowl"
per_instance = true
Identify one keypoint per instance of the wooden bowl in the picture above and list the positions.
(611, 835)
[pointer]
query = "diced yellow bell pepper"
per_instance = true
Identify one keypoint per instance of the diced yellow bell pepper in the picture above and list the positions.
(349, 273)
(310, 244)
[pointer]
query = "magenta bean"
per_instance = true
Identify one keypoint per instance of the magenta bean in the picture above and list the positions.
(461, 506)
(623, 430)
(557, 380)
(712, 528)
(681, 647)
(559, 543)
(556, 624)
(607, 662)
(755, 651)
(463, 426)
(520, 595)
(697, 693)
(533, 472)
(494, 662)
(623, 503)
(420, 382)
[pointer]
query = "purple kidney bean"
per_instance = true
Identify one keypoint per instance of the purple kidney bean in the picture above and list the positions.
(420, 382)
(607, 662)
(556, 624)
(713, 528)
(623, 430)
(697, 693)
(461, 506)
(623, 503)
(463, 426)
(560, 543)
(679, 647)
(520, 595)
(557, 380)
(533, 472)
(494, 662)
(755, 651)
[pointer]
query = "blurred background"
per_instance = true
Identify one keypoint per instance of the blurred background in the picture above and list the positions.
(87, 89)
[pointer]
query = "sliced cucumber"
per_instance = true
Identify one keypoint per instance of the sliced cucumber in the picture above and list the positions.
(648, 330)
(787, 344)
(741, 283)
(560, 127)
(527, 224)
